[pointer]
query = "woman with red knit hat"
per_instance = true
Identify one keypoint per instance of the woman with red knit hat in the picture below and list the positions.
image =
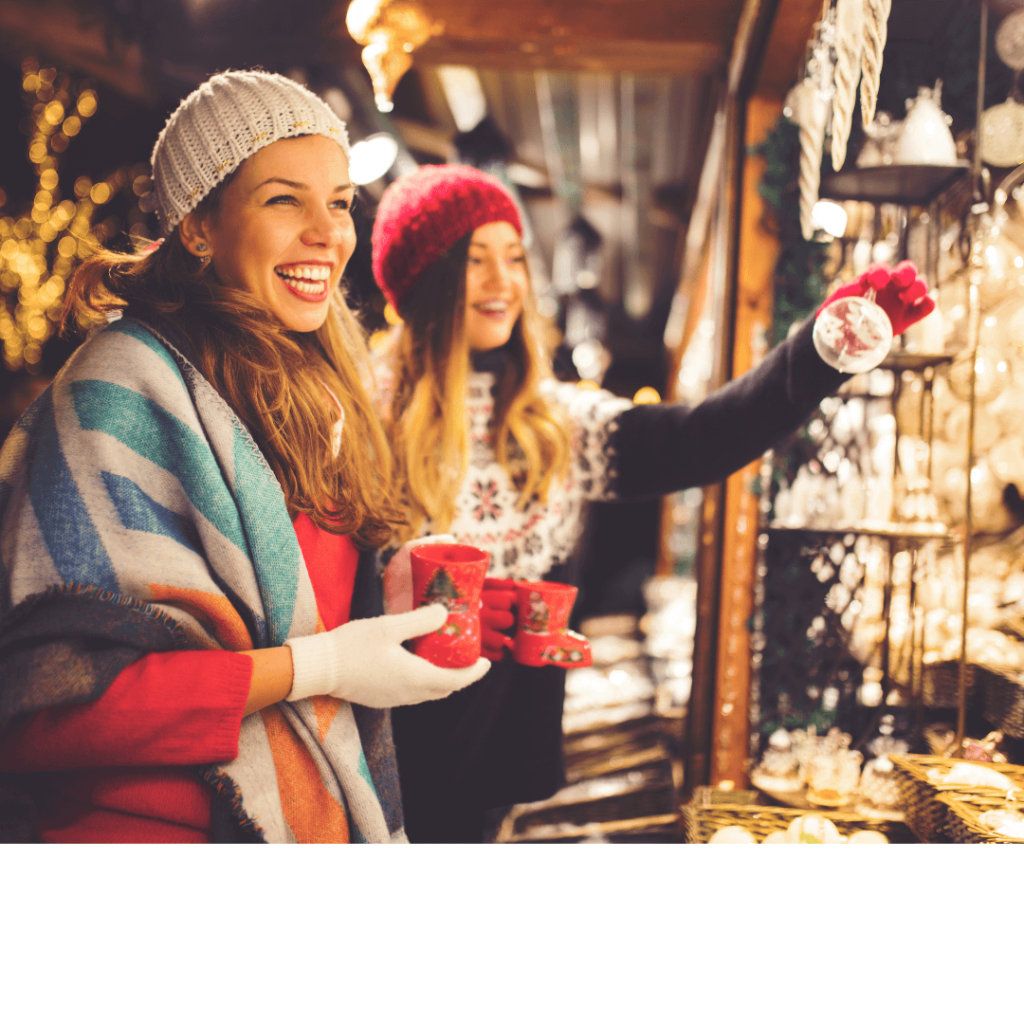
(491, 449)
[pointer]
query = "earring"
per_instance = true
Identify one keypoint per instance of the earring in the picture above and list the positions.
(201, 247)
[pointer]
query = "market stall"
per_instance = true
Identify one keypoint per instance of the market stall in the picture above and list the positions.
(885, 668)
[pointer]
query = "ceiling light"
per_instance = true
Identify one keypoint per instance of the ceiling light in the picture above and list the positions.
(372, 158)
(830, 217)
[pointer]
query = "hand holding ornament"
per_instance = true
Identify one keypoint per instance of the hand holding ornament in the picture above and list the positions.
(850, 332)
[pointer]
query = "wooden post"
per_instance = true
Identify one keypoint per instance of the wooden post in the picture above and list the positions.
(758, 251)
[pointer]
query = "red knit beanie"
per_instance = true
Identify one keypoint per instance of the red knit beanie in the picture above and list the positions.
(425, 213)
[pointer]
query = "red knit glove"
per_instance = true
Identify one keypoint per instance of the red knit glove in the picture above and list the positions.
(497, 600)
(900, 292)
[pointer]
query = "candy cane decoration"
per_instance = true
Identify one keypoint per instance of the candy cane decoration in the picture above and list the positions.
(876, 28)
(849, 45)
(811, 112)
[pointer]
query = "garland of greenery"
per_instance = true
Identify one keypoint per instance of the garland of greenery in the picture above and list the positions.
(799, 273)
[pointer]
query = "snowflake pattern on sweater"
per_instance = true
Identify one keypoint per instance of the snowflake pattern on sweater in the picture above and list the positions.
(527, 543)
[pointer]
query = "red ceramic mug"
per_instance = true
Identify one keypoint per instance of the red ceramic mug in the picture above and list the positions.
(542, 619)
(452, 575)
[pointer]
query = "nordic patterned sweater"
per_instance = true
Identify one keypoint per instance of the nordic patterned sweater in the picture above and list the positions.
(622, 451)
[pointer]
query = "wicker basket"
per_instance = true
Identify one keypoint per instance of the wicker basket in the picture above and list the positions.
(962, 814)
(1003, 702)
(940, 684)
(704, 816)
(926, 816)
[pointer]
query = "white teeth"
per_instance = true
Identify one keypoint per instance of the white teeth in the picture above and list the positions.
(304, 273)
(492, 307)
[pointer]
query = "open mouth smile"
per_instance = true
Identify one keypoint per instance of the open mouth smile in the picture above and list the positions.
(493, 310)
(309, 281)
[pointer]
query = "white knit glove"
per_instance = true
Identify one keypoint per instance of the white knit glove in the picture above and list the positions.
(363, 661)
(398, 574)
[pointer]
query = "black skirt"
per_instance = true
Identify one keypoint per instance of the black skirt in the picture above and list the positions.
(497, 742)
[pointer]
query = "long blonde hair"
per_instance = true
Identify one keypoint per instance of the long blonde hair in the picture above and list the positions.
(428, 423)
(274, 381)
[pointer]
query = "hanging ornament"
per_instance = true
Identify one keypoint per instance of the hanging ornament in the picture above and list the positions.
(876, 28)
(1010, 41)
(389, 31)
(853, 334)
(1002, 134)
(809, 102)
(1002, 126)
(809, 112)
(849, 44)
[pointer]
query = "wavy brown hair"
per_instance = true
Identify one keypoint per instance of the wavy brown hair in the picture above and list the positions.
(274, 380)
(427, 423)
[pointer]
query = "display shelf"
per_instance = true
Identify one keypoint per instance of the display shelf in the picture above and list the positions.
(892, 531)
(902, 184)
(915, 361)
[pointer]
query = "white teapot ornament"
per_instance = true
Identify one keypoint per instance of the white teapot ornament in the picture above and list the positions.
(926, 138)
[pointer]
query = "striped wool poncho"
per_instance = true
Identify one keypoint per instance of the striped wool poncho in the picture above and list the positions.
(138, 514)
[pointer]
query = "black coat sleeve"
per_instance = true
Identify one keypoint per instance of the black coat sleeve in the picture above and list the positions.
(659, 449)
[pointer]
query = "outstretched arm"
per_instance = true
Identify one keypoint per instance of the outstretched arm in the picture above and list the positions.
(664, 448)
(659, 449)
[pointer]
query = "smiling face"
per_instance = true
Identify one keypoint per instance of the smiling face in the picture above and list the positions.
(496, 285)
(283, 229)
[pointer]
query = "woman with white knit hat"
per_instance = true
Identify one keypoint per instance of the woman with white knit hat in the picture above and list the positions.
(191, 645)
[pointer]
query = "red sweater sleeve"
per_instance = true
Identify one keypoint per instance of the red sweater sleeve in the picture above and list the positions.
(181, 708)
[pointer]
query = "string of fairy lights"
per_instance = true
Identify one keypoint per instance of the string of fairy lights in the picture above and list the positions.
(40, 247)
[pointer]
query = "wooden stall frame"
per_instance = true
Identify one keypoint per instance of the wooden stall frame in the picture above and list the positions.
(766, 60)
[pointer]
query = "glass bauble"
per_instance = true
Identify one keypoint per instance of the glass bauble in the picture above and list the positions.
(991, 375)
(1002, 134)
(853, 334)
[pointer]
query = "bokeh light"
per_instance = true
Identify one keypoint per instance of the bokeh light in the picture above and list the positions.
(39, 247)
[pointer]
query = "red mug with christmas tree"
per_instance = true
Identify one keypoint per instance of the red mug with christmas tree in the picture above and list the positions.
(452, 575)
(542, 620)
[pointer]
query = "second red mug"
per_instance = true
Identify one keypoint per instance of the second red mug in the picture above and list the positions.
(542, 618)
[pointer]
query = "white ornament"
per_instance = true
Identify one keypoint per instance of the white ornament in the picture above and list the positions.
(1010, 40)
(853, 334)
(867, 837)
(813, 829)
(813, 114)
(1002, 134)
(849, 47)
(732, 834)
(926, 138)
(876, 28)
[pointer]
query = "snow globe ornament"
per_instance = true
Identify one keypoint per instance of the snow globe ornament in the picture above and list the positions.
(853, 334)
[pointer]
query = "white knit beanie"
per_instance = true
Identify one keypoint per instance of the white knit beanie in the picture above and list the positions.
(228, 118)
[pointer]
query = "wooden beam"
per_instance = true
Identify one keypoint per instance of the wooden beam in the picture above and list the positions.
(706, 21)
(718, 726)
(668, 37)
(758, 252)
(787, 45)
